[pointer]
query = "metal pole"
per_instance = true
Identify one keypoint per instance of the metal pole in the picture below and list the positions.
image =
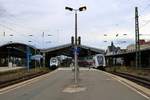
(75, 47)
(76, 40)
(28, 59)
(35, 60)
(137, 44)
(44, 59)
(43, 39)
(8, 57)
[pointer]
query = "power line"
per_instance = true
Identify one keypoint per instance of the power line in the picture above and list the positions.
(11, 29)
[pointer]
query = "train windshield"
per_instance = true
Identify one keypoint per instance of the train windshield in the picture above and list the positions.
(53, 60)
(100, 60)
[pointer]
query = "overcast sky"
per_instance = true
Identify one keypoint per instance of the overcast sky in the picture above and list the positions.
(25, 17)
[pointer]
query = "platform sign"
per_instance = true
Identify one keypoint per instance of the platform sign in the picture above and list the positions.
(76, 50)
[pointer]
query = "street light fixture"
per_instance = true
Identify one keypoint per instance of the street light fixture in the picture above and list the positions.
(83, 8)
(30, 35)
(29, 41)
(124, 34)
(11, 41)
(43, 36)
(68, 8)
(105, 34)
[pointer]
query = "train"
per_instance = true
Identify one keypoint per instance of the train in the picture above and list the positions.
(54, 63)
(94, 61)
(99, 61)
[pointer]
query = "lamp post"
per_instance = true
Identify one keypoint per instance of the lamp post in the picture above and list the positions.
(43, 38)
(34, 51)
(76, 44)
(8, 50)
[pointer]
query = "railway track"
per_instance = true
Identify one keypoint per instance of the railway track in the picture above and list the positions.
(20, 79)
(139, 80)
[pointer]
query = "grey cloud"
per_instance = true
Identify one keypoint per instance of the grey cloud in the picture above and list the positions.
(101, 16)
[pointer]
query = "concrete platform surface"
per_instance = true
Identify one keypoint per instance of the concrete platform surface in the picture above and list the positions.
(59, 85)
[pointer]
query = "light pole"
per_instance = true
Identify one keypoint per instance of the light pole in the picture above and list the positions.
(34, 51)
(43, 38)
(8, 49)
(76, 44)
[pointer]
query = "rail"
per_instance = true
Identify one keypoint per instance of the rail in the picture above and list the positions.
(139, 80)
(20, 79)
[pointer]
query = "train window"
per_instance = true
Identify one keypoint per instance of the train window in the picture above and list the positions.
(100, 60)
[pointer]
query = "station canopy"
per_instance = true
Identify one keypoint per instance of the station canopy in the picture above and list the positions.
(68, 50)
(15, 50)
